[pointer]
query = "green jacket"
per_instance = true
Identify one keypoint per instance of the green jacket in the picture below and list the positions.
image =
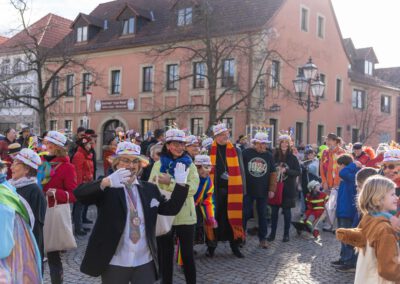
(187, 215)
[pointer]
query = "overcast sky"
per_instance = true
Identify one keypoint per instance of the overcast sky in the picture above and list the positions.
(368, 22)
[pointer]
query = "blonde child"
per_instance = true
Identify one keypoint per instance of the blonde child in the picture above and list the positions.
(378, 258)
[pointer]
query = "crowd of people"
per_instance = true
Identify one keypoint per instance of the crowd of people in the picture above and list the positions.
(175, 190)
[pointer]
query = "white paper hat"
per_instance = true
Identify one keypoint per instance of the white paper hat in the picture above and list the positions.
(191, 139)
(29, 158)
(260, 137)
(56, 138)
(175, 135)
(392, 155)
(207, 142)
(131, 149)
(219, 128)
(202, 160)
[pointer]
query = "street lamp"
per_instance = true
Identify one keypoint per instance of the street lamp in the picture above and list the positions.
(309, 83)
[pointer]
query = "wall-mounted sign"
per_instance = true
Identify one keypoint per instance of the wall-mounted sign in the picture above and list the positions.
(114, 104)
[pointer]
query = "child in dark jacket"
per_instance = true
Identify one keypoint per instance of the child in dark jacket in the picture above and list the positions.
(346, 209)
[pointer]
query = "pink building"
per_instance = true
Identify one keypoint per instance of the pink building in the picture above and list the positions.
(133, 85)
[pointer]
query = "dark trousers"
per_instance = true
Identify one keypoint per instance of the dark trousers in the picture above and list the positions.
(261, 204)
(287, 216)
(143, 274)
(347, 254)
(84, 212)
(185, 234)
(77, 215)
(55, 267)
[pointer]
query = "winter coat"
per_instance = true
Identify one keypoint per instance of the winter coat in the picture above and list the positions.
(346, 200)
(63, 179)
(83, 163)
(187, 215)
(329, 170)
(4, 154)
(363, 158)
(293, 170)
(379, 252)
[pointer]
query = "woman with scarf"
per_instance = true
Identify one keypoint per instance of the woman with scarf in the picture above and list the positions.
(24, 172)
(19, 255)
(83, 162)
(58, 179)
(173, 152)
(288, 169)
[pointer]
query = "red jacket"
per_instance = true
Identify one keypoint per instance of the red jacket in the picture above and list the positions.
(4, 155)
(363, 158)
(63, 180)
(83, 162)
(316, 202)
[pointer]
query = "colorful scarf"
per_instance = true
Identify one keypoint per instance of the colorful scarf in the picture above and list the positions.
(11, 199)
(168, 164)
(204, 198)
(22, 182)
(46, 171)
(235, 188)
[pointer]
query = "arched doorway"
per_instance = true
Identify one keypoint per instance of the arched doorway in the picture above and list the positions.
(109, 129)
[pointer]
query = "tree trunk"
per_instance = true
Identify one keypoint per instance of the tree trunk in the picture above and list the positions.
(212, 114)
(42, 116)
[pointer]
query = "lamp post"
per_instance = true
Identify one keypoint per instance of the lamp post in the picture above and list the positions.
(309, 83)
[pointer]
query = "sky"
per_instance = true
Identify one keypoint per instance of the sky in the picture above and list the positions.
(368, 22)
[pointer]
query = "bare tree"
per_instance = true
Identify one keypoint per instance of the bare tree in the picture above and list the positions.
(43, 63)
(203, 42)
(368, 117)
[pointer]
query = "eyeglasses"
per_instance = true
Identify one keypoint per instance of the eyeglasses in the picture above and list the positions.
(390, 167)
(128, 161)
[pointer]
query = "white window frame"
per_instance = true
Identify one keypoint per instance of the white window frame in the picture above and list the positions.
(357, 99)
(185, 17)
(82, 34)
(128, 26)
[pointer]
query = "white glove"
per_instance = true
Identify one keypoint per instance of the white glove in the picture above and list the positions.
(119, 177)
(180, 173)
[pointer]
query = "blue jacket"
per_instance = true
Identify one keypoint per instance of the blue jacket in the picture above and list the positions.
(346, 201)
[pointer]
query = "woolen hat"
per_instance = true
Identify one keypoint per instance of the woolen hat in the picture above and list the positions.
(357, 146)
(56, 138)
(207, 142)
(312, 184)
(191, 140)
(29, 158)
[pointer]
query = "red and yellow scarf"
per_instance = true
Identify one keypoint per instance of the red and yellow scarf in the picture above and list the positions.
(235, 188)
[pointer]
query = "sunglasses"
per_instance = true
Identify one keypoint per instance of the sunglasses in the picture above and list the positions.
(390, 167)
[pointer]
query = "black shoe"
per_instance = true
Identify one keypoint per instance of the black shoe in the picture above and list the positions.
(271, 238)
(210, 252)
(346, 268)
(80, 233)
(86, 229)
(87, 221)
(237, 253)
(285, 239)
(337, 263)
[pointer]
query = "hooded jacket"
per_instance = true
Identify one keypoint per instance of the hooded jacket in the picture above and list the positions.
(378, 258)
(346, 200)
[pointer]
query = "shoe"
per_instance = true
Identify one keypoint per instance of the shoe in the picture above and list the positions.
(285, 239)
(346, 268)
(315, 234)
(237, 253)
(264, 244)
(80, 233)
(87, 221)
(337, 263)
(210, 252)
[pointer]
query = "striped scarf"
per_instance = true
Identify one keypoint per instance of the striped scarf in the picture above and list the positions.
(205, 199)
(235, 188)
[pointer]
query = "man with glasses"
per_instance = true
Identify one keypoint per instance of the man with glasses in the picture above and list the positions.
(260, 183)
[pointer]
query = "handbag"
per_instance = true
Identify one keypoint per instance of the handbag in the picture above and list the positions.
(164, 223)
(57, 229)
(331, 206)
(277, 199)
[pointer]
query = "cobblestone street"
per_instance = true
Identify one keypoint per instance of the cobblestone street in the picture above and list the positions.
(302, 260)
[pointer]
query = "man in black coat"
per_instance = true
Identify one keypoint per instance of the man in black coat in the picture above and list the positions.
(122, 247)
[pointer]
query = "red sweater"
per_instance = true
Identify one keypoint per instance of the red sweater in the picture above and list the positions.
(63, 180)
(83, 162)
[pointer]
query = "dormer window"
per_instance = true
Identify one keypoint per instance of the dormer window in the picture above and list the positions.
(82, 34)
(105, 24)
(368, 68)
(185, 17)
(128, 26)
